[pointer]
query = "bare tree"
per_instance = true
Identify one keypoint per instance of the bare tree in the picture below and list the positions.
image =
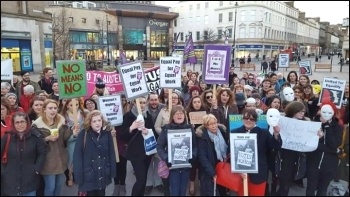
(61, 24)
(209, 36)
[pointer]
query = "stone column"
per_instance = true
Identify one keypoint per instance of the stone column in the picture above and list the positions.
(120, 37)
(171, 37)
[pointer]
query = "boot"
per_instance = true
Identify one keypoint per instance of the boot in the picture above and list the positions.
(122, 190)
(116, 190)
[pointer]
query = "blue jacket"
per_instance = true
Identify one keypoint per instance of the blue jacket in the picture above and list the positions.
(94, 163)
(265, 143)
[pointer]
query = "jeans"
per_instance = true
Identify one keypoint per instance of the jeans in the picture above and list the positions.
(32, 193)
(121, 171)
(318, 181)
(179, 179)
(153, 178)
(53, 184)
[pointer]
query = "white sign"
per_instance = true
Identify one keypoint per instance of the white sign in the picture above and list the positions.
(244, 153)
(333, 90)
(134, 80)
(283, 60)
(170, 72)
(7, 70)
(299, 135)
(305, 67)
(179, 148)
(112, 109)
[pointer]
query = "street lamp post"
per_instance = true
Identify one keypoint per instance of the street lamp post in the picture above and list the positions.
(234, 37)
(108, 60)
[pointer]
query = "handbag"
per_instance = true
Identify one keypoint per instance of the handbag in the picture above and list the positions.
(163, 170)
(125, 152)
(226, 178)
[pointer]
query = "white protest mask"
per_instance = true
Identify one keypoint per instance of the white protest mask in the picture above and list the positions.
(272, 118)
(327, 112)
(288, 94)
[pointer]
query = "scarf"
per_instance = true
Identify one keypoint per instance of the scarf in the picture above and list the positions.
(219, 144)
(134, 111)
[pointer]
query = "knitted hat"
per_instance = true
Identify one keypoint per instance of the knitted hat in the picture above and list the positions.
(250, 100)
(100, 83)
(248, 87)
(193, 88)
(10, 94)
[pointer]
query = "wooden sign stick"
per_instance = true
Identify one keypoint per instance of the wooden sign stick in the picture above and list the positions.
(138, 106)
(245, 185)
(75, 111)
(170, 99)
(214, 91)
(116, 149)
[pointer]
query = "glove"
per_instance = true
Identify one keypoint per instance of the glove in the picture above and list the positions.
(169, 165)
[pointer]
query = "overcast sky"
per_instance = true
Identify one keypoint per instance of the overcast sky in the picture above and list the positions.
(331, 11)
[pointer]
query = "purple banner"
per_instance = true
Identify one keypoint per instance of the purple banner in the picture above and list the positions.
(216, 64)
(189, 56)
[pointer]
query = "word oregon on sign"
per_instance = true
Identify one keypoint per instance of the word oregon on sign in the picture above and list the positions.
(71, 78)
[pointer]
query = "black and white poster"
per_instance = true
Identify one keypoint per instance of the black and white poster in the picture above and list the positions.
(305, 67)
(244, 153)
(179, 148)
(332, 90)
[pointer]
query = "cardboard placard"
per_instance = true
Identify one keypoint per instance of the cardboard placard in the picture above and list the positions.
(197, 117)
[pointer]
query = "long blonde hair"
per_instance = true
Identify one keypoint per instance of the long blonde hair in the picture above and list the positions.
(58, 117)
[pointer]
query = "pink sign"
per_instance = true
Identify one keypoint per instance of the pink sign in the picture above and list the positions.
(113, 81)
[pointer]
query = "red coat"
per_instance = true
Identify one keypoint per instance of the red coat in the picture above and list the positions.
(24, 102)
(8, 126)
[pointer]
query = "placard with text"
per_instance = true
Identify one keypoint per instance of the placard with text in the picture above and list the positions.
(72, 80)
(244, 153)
(111, 108)
(332, 90)
(283, 60)
(134, 80)
(305, 67)
(170, 72)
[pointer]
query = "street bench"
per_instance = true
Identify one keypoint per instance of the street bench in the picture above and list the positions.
(247, 66)
(293, 67)
(323, 66)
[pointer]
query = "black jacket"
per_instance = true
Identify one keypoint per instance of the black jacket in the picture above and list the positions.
(94, 163)
(135, 148)
(265, 143)
(207, 158)
(47, 86)
(325, 156)
(25, 158)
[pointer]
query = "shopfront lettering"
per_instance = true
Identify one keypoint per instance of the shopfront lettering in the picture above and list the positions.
(157, 23)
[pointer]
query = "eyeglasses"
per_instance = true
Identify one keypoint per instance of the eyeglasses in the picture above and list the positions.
(209, 97)
(90, 103)
(20, 122)
(250, 119)
(302, 112)
(250, 78)
(179, 114)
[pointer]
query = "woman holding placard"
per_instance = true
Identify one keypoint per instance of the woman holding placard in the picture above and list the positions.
(70, 117)
(179, 177)
(132, 131)
(223, 105)
(212, 148)
(55, 133)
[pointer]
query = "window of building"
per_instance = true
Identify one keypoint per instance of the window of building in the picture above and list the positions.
(175, 36)
(133, 36)
(229, 32)
(93, 37)
(242, 32)
(230, 16)
(252, 15)
(198, 35)
(190, 21)
(220, 34)
(198, 6)
(198, 19)
(206, 20)
(252, 32)
(70, 19)
(83, 20)
(78, 37)
(243, 15)
(109, 22)
(206, 4)
(260, 32)
(175, 22)
(182, 36)
(97, 22)
(159, 38)
(220, 18)
(205, 35)
(221, 3)
(191, 7)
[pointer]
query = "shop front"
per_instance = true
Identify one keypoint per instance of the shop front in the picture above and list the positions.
(159, 38)
(20, 52)
(244, 50)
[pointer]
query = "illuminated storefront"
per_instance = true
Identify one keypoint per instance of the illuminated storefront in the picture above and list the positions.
(19, 51)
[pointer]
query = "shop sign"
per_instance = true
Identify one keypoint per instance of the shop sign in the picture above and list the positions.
(154, 22)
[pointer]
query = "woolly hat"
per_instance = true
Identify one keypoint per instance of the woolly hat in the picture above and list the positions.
(100, 83)
(10, 94)
(193, 88)
(240, 99)
(248, 87)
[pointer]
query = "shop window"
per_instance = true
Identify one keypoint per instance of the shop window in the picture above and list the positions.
(133, 36)
(83, 20)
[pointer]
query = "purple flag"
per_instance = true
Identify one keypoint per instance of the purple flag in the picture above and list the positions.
(122, 57)
(189, 56)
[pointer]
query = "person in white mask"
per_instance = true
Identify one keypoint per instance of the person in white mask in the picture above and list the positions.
(322, 163)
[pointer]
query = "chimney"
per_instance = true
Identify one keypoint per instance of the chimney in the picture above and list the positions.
(302, 15)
